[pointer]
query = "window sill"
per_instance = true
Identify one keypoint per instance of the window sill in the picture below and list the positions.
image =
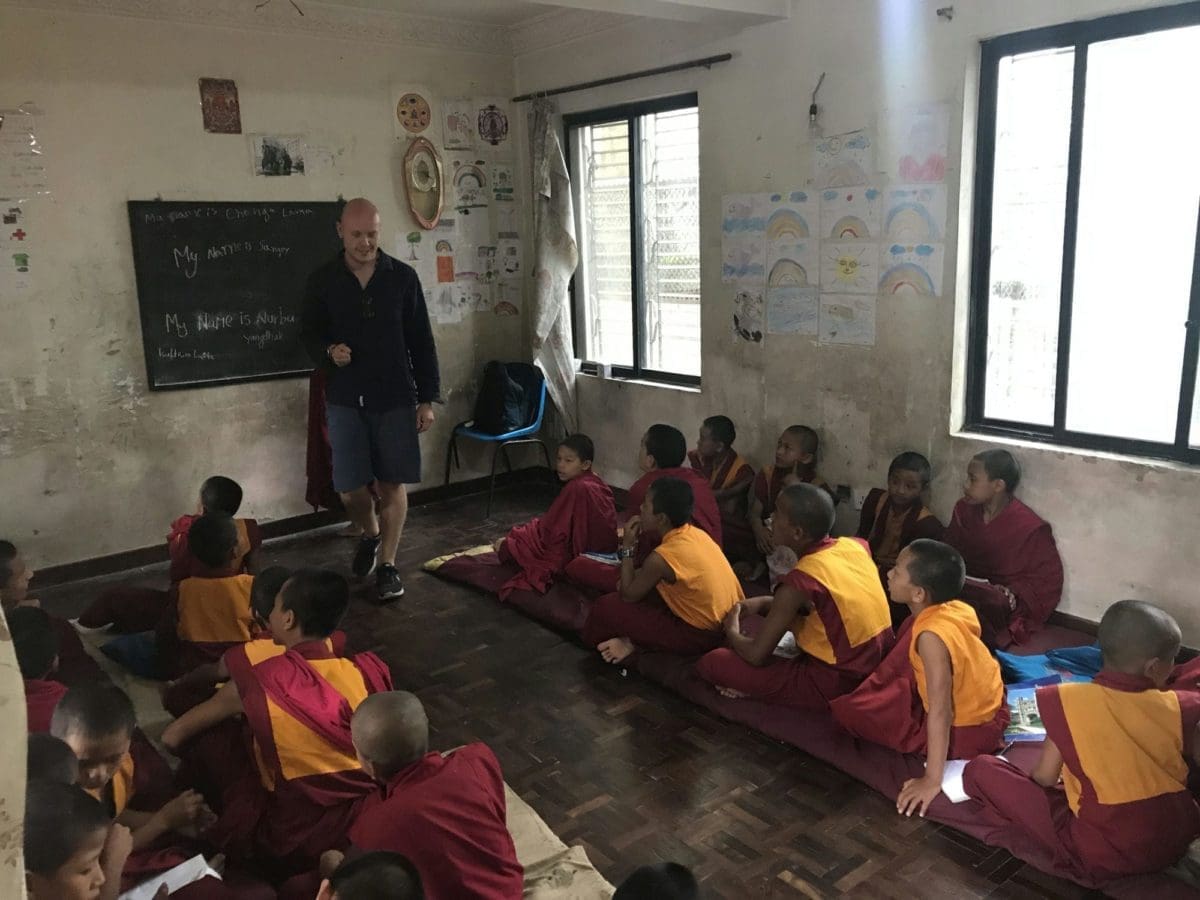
(1125, 459)
(641, 382)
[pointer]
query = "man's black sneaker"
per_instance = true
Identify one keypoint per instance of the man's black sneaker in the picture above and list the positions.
(387, 583)
(364, 556)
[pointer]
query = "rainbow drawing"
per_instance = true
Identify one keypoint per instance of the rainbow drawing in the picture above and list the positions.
(910, 222)
(845, 173)
(786, 224)
(907, 278)
(787, 272)
(849, 228)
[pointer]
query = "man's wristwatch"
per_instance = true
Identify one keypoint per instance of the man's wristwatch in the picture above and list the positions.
(625, 553)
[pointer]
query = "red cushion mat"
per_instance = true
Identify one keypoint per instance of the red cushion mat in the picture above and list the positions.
(564, 607)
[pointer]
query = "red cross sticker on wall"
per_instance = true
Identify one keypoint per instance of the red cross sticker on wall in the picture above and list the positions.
(19, 234)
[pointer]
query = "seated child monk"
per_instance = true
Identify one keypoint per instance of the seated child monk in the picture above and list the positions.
(676, 600)
(201, 683)
(661, 881)
(582, 518)
(295, 796)
(445, 812)
(379, 875)
(128, 778)
(74, 665)
(209, 611)
(36, 646)
(1118, 744)
(660, 455)
(895, 516)
(730, 478)
(795, 463)
(130, 609)
(48, 758)
(1006, 544)
(832, 602)
(939, 692)
(72, 849)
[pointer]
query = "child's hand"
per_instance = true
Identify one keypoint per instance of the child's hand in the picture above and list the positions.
(733, 620)
(764, 540)
(916, 795)
(185, 810)
(117, 847)
(330, 860)
(170, 737)
(633, 531)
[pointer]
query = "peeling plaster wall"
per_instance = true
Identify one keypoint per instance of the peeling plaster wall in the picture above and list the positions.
(1120, 524)
(92, 463)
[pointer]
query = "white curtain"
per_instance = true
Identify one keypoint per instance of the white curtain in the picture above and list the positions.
(555, 257)
(12, 768)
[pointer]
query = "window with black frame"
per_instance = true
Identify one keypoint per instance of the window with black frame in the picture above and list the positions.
(1085, 281)
(635, 173)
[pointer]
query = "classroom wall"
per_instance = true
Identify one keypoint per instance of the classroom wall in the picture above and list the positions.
(1121, 524)
(90, 461)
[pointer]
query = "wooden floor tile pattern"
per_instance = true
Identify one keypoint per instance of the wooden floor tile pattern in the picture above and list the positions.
(626, 769)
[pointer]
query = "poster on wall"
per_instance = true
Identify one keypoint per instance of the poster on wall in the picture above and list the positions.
(743, 238)
(277, 154)
(921, 142)
(915, 213)
(492, 118)
(847, 319)
(843, 160)
(23, 174)
(219, 106)
(458, 124)
(415, 113)
(851, 213)
(748, 313)
(914, 269)
(792, 309)
(849, 267)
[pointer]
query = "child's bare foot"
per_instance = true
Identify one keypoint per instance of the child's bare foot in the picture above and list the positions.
(729, 692)
(616, 650)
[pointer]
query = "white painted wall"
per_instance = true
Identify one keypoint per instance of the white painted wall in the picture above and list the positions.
(1122, 526)
(90, 461)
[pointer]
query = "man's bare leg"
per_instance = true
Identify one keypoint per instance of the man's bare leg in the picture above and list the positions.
(360, 506)
(393, 512)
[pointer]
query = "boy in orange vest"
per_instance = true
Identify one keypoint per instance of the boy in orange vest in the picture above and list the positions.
(676, 600)
(832, 602)
(1119, 747)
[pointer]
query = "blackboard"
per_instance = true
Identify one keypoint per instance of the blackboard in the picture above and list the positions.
(220, 287)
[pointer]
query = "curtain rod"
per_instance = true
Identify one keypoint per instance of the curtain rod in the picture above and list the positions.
(705, 63)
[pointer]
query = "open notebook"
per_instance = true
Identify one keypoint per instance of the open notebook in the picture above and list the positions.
(181, 876)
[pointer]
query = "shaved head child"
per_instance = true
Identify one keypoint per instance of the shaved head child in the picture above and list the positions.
(582, 519)
(297, 708)
(1008, 546)
(894, 517)
(374, 876)
(444, 812)
(48, 758)
(97, 722)
(35, 643)
(675, 601)
(72, 850)
(795, 463)
(730, 478)
(832, 602)
(1118, 744)
(129, 609)
(939, 691)
(208, 612)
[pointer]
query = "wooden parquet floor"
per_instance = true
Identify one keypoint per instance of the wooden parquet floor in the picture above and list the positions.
(619, 765)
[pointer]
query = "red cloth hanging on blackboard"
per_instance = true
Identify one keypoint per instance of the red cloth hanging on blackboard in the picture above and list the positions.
(319, 463)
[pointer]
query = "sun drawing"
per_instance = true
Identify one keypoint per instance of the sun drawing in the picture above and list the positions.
(851, 268)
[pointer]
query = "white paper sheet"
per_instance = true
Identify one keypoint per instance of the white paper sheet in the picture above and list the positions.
(842, 160)
(851, 213)
(914, 213)
(847, 319)
(911, 269)
(181, 876)
(849, 267)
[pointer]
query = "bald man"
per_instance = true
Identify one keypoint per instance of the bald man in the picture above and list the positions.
(365, 324)
(444, 812)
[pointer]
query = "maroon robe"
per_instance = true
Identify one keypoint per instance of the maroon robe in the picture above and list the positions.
(706, 515)
(582, 518)
(447, 815)
(40, 699)
(288, 824)
(1015, 550)
(724, 473)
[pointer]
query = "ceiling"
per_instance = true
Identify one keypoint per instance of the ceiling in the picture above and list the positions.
(489, 12)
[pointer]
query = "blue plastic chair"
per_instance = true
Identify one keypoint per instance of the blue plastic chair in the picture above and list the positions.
(530, 378)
